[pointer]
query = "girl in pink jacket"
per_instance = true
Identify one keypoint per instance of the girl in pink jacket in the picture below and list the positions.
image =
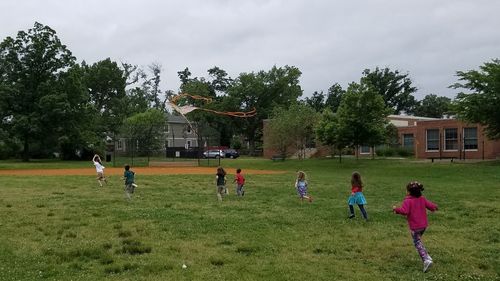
(414, 208)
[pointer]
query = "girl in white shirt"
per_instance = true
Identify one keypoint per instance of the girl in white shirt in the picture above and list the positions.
(99, 169)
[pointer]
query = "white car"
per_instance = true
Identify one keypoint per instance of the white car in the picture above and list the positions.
(213, 153)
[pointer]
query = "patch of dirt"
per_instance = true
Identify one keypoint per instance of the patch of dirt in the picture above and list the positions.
(138, 170)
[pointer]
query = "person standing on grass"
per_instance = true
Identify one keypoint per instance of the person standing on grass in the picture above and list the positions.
(129, 177)
(357, 196)
(301, 186)
(99, 169)
(220, 181)
(414, 208)
(239, 179)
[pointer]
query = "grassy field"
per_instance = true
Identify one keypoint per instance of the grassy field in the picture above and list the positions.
(65, 228)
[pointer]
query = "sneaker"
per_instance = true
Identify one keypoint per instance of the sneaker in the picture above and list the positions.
(427, 265)
(351, 216)
(134, 185)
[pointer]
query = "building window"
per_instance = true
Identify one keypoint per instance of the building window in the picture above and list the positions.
(167, 128)
(364, 149)
(432, 140)
(188, 130)
(451, 139)
(119, 145)
(408, 141)
(470, 138)
(188, 144)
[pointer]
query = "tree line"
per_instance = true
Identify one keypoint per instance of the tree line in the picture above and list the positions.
(51, 103)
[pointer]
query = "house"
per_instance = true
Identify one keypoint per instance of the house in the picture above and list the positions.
(179, 136)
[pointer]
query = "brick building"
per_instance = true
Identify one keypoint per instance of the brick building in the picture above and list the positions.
(428, 138)
(444, 138)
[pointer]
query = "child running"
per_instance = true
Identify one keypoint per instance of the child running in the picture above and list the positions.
(220, 180)
(99, 169)
(357, 196)
(301, 186)
(239, 179)
(129, 177)
(414, 208)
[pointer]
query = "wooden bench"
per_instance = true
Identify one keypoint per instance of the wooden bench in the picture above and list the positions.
(278, 158)
(442, 157)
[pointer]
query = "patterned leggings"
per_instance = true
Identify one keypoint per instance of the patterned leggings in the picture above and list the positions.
(416, 235)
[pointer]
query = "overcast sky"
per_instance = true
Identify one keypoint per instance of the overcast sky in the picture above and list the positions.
(329, 41)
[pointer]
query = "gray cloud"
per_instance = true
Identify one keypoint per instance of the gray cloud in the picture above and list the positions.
(329, 41)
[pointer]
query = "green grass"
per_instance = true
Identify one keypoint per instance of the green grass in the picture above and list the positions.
(65, 228)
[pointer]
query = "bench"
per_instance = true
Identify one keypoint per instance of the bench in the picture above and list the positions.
(278, 158)
(441, 158)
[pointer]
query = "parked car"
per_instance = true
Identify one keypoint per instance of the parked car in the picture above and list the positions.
(231, 153)
(213, 153)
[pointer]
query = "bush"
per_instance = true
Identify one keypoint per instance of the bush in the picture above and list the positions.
(393, 151)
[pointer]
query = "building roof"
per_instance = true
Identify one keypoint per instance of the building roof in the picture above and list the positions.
(176, 119)
(410, 117)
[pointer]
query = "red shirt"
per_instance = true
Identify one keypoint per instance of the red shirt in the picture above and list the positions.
(355, 189)
(239, 179)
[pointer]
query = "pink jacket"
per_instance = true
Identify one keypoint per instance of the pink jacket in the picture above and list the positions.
(415, 211)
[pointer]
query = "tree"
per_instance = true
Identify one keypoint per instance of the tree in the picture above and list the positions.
(395, 88)
(482, 103)
(361, 117)
(73, 117)
(327, 131)
(106, 83)
(292, 126)
(316, 101)
(335, 93)
(30, 66)
(262, 91)
(433, 106)
(147, 129)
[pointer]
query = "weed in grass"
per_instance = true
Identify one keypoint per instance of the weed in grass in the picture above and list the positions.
(117, 226)
(124, 233)
(134, 247)
(155, 268)
(40, 206)
(130, 266)
(113, 269)
(247, 251)
(76, 266)
(95, 215)
(217, 262)
(106, 259)
(8, 206)
(321, 251)
(226, 243)
(50, 214)
(70, 235)
(107, 246)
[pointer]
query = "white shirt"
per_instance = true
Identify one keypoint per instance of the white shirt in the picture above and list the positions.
(99, 167)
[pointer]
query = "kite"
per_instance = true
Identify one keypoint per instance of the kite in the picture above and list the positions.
(185, 109)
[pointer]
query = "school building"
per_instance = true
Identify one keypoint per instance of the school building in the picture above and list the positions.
(428, 138)
(432, 138)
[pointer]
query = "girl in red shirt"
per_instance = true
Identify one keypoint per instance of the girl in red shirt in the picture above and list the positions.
(357, 196)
